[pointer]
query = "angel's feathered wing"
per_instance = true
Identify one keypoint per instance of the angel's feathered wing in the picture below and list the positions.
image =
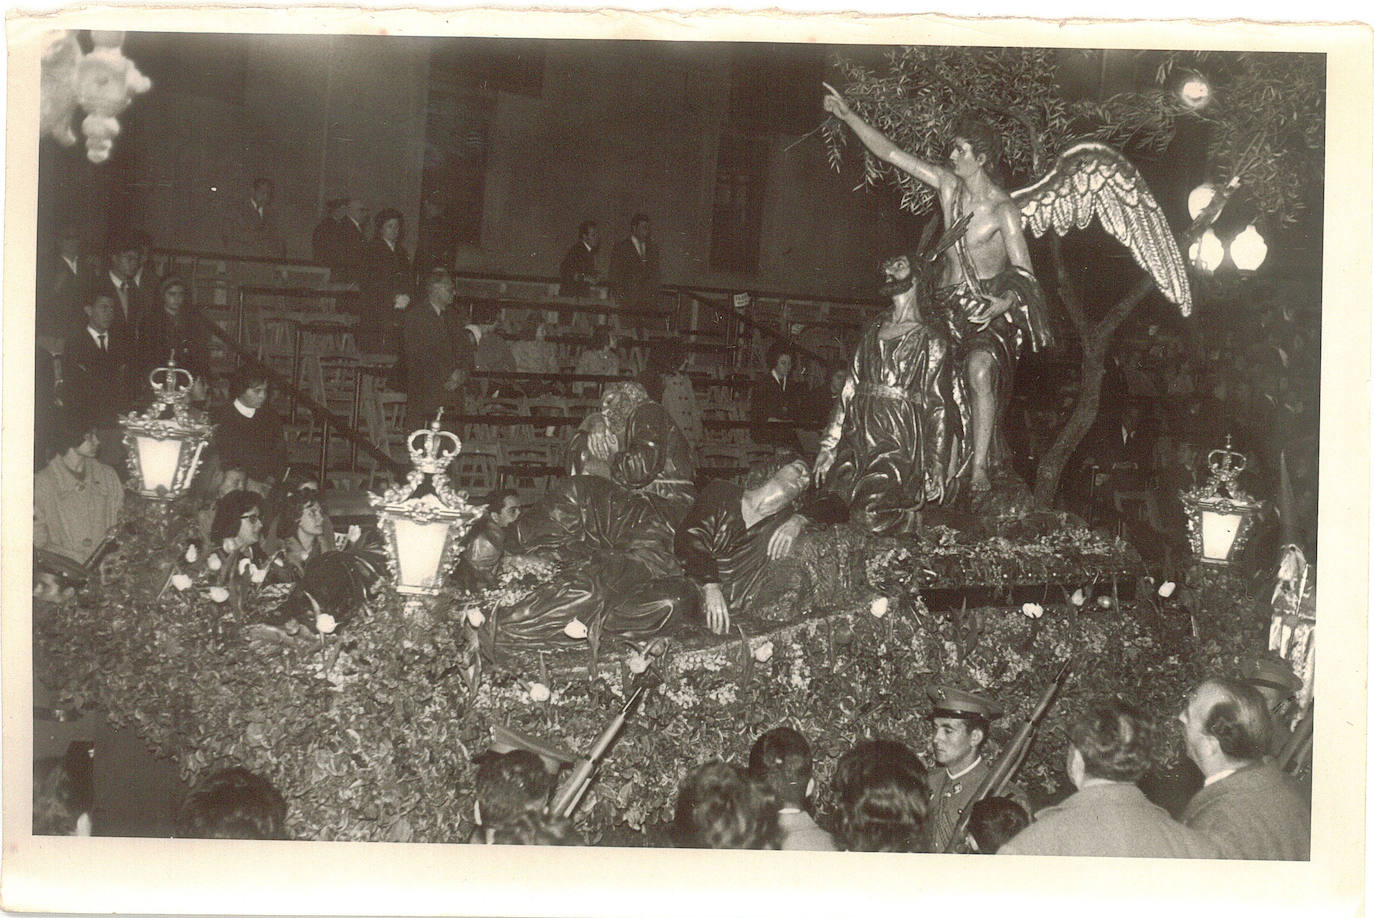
(1093, 180)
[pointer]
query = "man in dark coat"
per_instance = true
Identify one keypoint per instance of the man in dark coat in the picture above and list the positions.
(1109, 816)
(96, 375)
(326, 242)
(437, 351)
(65, 279)
(772, 405)
(633, 274)
(120, 283)
(250, 226)
(578, 271)
(1247, 806)
(731, 535)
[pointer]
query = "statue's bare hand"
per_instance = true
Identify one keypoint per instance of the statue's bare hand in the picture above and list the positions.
(783, 538)
(717, 610)
(834, 102)
(824, 460)
(991, 309)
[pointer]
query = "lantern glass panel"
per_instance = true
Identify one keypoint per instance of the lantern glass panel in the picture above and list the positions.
(1219, 534)
(157, 462)
(419, 548)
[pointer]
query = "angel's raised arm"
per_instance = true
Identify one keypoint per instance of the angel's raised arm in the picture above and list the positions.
(883, 148)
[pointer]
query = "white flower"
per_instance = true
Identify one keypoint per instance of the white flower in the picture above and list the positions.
(259, 574)
(764, 652)
(325, 624)
(575, 630)
(219, 593)
(213, 562)
(878, 606)
(476, 618)
(244, 564)
(355, 532)
(1166, 589)
(1032, 609)
(181, 581)
(1078, 597)
(191, 554)
(540, 692)
(1104, 601)
(637, 663)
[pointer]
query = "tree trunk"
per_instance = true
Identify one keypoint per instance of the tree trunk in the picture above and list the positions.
(1095, 345)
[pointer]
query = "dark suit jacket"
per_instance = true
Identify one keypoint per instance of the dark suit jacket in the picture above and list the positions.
(385, 273)
(62, 294)
(247, 233)
(1255, 813)
(326, 242)
(577, 266)
(352, 243)
(159, 335)
(770, 400)
(96, 381)
(433, 347)
(125, 324)
(634, 280)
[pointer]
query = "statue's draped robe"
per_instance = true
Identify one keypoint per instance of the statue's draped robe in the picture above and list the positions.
(654, 456)
(715, 546)
(896, 428)
(614, 547)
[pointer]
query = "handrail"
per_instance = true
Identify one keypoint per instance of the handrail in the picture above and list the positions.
(330, 419)
(731, 314)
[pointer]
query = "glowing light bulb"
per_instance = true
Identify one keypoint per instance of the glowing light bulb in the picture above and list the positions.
(1195, 92)
(1199, 198)
(1248, 249)
(1207, 253)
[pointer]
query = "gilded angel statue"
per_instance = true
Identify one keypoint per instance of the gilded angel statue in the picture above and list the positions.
(985, 278)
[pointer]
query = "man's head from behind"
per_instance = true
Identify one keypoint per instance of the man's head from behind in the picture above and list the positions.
(1111, 741)
(233, 803)
(1225, 725)
(994, 821)
(781, 759)
(509, 785)
(720, 807)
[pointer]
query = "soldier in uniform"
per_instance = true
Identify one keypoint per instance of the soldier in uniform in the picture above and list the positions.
(1278, 684)
(960, 720)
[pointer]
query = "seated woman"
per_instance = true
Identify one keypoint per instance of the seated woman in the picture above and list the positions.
(730, 537)
(614, 548)
(236, 531)
(633, 441)
(304, 524)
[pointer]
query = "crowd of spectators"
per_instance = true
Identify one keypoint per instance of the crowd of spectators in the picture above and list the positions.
(882, 796)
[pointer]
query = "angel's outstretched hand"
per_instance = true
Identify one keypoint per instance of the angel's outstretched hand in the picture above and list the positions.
(834, 102)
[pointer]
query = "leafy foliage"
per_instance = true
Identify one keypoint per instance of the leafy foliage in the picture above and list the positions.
(370, 732)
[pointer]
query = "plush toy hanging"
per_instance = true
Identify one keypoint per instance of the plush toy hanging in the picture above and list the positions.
(102, 83)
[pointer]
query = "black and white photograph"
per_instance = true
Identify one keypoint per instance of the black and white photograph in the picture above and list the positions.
(456, 434)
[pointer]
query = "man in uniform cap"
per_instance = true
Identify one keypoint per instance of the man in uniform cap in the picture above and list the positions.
(1273, 678)
(960, 721)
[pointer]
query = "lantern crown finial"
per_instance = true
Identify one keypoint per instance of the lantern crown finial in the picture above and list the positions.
(1226, 465)
(170, 382)
(432, 449)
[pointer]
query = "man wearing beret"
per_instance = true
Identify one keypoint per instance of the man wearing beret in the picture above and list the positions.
(1274, 680)
(960, 723)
